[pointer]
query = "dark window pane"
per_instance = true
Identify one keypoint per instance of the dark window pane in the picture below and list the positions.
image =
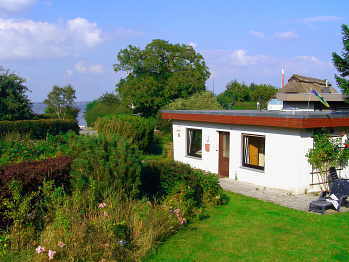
(194, 142)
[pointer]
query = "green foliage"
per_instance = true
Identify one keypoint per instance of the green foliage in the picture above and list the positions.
(61, 103)
(159, 74)
(162, 178)
(38, 128)
(235, 92)
(14, 103)
(239, 93)
(326, 153)
(198, 101)
(262, 94)
(138, 130)
(108, 104)
(342, 62)
(102, 164)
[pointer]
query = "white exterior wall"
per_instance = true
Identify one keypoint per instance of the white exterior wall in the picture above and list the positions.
(286, 165)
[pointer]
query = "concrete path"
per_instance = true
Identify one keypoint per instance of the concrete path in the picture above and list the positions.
(280, 197)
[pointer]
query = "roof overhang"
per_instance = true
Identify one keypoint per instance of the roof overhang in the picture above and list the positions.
(291, 119)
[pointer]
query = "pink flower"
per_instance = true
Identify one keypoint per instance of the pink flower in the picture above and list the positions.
(51, 254)
(61, 244)
(40, 249)
(102, 205)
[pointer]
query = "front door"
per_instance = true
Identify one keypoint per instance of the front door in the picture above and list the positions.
(224, 153)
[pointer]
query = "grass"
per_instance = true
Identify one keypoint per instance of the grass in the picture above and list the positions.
(247, 229)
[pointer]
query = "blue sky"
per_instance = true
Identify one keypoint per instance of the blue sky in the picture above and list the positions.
(58, 42)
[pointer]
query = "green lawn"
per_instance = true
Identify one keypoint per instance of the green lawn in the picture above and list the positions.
(247, 229)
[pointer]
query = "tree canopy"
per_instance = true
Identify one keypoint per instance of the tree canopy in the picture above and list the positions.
(236, 92)
(342, 62)
(107, 104)
(159, 74)
(61, 102)
(14, 103)
(200, 101)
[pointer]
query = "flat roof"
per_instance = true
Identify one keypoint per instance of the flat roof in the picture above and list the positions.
(288, 119)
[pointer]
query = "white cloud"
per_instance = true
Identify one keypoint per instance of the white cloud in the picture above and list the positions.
(85, 31)
(240, 58)
(316, 19)
(15, 5)
(286, 35)
(256, 34)
(83, 67)
(23, 39)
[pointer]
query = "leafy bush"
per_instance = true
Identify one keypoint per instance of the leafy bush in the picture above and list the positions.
(327, 152)
(38, 128)
(105, 164)
(136, 129)
(162, 178)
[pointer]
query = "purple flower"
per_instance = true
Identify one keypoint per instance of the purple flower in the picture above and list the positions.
(102, 205)
(61, 244)
(40, 249)
(51, 254)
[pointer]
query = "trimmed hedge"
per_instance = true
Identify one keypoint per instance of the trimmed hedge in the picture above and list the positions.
(32, 174)
(138, 130)
(38, 128)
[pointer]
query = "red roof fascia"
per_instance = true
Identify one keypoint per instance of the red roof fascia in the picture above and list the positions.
(260, 120)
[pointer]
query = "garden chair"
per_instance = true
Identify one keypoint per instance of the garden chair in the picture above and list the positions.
(335, 198)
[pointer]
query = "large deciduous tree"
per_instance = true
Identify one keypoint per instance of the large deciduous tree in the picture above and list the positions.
(61, 102)
(342, 62)
(159, 74)
(14, 103)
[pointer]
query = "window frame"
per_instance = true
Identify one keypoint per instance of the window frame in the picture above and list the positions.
(245, 165)
(186, 143)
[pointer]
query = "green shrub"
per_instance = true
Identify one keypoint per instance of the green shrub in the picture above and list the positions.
(161, 178)
(38, 128)
(136, 129)
(105, 164)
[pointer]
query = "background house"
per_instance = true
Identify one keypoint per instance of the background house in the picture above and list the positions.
(296, 95)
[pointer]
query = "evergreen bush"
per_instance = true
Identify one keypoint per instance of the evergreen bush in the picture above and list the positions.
(138, 130)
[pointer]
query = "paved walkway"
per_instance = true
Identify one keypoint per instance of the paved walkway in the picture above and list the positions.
(280, 197)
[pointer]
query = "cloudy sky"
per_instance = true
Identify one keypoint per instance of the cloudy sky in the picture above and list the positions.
(58, 42)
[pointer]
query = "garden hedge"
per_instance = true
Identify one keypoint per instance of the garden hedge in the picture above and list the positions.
(138, 130)
(38, 128)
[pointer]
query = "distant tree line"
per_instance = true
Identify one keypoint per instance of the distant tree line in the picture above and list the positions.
(237, 92)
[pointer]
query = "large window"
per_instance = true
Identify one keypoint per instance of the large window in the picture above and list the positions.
(194, 142)
(253, 151)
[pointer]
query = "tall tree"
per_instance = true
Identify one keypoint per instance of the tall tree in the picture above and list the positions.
(342, 62)
(159, 74)
(61, 102)
(14, 103)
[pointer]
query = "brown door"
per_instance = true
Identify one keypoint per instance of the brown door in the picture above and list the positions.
(224, 153)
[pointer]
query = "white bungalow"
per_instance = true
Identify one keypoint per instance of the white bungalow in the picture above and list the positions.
(266, 148)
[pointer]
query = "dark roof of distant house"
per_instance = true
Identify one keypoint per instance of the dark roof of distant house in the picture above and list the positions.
(287, 119)
(303, 84)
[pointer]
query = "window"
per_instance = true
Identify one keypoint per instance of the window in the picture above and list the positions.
(194, 142)
(253, 151)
